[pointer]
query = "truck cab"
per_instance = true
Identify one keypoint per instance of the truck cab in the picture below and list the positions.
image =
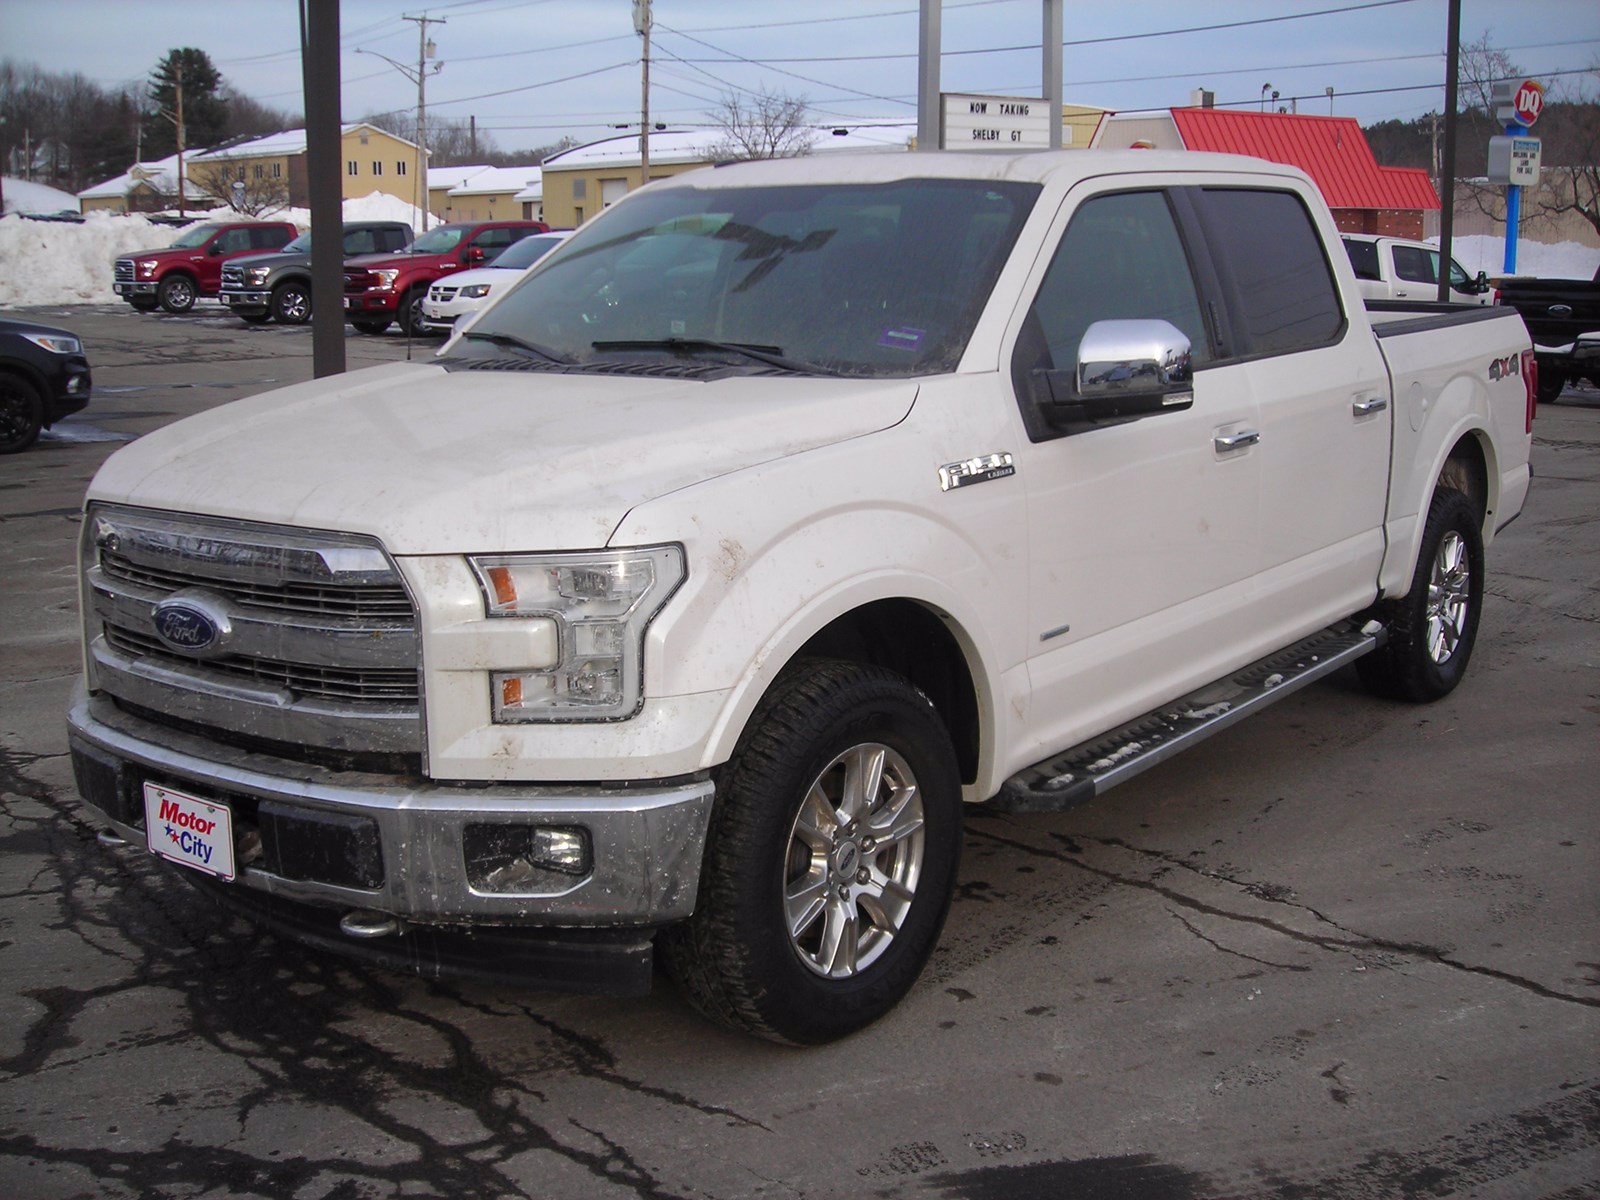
(1395, 269)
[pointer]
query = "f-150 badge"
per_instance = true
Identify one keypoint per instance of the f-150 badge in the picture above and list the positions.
(980, 469)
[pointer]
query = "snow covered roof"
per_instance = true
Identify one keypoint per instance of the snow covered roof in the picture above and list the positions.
(698, 146)
(494, 180)
(282, 145)
(449, 177)
(23, 195)
(161, 175)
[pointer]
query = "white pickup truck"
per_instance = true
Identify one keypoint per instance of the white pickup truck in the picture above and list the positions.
(682, 603)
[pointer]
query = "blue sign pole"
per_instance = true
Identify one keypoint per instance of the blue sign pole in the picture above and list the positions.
(1513, 206)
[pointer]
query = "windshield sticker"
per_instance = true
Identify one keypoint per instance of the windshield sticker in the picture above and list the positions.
(902, 339)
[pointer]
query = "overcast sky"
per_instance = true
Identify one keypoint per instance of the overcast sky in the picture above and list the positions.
(533, 70)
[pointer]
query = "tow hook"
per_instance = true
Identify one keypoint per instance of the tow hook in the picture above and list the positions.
(365, 923)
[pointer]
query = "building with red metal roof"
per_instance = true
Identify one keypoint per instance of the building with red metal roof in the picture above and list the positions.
(1364, 197)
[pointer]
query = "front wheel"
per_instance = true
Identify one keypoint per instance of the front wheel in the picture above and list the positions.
(831, 860)
(291, 303)
(1552, 382)
(21, 413)
(410, 312)
(1433, 627)
(176, 293)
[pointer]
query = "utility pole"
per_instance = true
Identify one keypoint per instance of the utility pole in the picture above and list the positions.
(419, 76)
(641, 25)
(177, 84)
(1447, 213)
(320, 83)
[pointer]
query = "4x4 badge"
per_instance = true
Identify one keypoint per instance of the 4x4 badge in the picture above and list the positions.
(980, 469)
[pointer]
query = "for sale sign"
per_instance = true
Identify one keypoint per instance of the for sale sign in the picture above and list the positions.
(995, 123)
(1515, 160)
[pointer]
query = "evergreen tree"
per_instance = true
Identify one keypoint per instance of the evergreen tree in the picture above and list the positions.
(205, 113)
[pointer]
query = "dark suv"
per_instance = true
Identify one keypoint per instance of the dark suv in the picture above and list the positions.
(43, 377)
(277, 287)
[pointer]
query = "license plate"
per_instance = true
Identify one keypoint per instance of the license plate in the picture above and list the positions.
(349, 302)
(188, 830)
(119, 288)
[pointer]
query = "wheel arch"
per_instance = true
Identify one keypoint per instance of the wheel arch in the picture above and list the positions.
(1465, 462)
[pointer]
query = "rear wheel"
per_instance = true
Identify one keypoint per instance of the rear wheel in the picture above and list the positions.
(1433, 627)
(291, 303)
(176, 293)
(21, 413)
(831, 860)
(370, 325)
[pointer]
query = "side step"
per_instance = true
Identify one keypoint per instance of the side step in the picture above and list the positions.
(1078, 775)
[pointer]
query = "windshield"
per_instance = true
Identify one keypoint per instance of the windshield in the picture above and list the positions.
(300, 245)
(440, 240)
(528, 251)
(854, 279)
(198, 236)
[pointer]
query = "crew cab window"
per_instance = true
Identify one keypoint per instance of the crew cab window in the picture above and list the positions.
(1363, 257)
(1120, 259)
(361, 241)
(231, 241)
(1416, 265)
(493, 241)
(270, 239)
(1280, 289)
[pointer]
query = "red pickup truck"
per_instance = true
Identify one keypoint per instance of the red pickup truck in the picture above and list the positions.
(382, 288)
(192, 266)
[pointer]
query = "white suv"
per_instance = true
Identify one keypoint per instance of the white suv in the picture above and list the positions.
(457, 296)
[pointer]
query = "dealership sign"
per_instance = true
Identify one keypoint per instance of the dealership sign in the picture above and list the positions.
(994, 123)
(1514, 160)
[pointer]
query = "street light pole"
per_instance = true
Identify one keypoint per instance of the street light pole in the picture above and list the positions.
(418, 76)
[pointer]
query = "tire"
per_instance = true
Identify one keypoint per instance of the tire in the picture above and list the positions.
(291, 303)
(177, 293)
(143, 303)
(254, 318)
(1433, 627)
(370, 325)
(409, 312)
(21, 413)
(1552, 383)
(808, 928)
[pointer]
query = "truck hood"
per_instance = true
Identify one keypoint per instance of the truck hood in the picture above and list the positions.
(271, 258)
(436, 462)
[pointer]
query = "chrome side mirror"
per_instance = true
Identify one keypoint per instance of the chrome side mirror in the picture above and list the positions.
(1137, 362)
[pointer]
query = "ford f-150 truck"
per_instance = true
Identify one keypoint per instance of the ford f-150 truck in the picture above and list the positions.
(1563, 318)
(1394, 269)
(683, 601)
(192, 266)
(277, 287)
(380, 289)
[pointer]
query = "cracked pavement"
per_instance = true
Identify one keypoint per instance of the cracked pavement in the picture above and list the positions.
(1344, 950)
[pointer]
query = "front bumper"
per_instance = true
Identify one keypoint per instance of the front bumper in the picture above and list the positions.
(135, 289)
(249, 301)
(442, 315)
(359, 303)
(70, 389)
(344, 841)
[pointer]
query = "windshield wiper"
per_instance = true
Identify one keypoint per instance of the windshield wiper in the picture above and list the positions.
(507, 339)
(771, 355)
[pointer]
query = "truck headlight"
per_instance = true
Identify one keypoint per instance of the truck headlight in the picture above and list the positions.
(386, 278)
(148, 266)
(602, 601)
(257, 276)
(474, 291)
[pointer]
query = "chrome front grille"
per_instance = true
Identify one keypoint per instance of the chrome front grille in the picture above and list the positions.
(310, 638)
(440, 294)
(232, 276)
(123, 272)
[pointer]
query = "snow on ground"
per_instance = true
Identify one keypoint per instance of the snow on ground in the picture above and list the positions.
(43, 262)
(23, 196)
(1558, 260)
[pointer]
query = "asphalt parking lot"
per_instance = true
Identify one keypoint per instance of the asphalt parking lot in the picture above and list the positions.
(1347, 949)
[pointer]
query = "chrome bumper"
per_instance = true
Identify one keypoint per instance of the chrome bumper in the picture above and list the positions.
(251, 299)
(135, 289)
(646, 840)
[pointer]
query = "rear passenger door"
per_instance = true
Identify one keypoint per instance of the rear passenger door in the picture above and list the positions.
(1322, 397)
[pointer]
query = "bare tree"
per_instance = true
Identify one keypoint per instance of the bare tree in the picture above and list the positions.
(243, 186)
(762, 124)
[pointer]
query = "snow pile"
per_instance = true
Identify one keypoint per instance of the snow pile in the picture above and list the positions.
(23, 196)
(1556, 260)
(44, 263)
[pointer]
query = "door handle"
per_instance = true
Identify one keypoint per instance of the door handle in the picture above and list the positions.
(1236, 441)
(1364, 405)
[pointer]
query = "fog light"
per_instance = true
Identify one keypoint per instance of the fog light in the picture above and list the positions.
(503, 859)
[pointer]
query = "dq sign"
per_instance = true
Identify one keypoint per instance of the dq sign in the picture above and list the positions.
(1519, 102)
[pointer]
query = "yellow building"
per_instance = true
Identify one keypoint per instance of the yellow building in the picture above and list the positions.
(373, 161)
(442, 179)
(143, 187)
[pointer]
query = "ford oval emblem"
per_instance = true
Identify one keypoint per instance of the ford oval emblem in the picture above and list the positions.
(193, 621)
